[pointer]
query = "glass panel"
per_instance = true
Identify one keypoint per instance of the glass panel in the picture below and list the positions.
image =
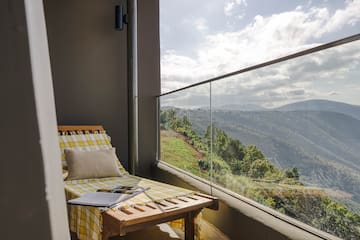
(184, 130)
(288, 137)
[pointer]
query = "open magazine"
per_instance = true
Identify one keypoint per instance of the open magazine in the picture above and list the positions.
(107, 197)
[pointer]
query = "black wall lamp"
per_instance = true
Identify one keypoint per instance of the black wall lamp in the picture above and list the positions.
(120, 17)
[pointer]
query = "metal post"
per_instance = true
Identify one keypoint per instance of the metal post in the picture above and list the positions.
(158, 129)
(133, 86)
(211, 141)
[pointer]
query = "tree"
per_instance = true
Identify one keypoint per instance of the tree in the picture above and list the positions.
(260, 168)
(252, 153)
(292, 173)
(167, 118)
(236, 149)
(203, 164)
(229, 149)
(186, 122)
(339, 220)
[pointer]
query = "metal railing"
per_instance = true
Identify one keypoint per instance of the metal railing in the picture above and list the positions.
(207, 119)
(271, 62)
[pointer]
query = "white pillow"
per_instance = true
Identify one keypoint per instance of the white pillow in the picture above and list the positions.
(91, 164)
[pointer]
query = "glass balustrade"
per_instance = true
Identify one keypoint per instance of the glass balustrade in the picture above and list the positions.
(285, 135)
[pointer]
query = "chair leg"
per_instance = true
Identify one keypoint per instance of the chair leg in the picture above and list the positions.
(105, 235)
(190, 225)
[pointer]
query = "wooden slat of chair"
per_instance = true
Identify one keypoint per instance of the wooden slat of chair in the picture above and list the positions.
(67, 128)
(121, 221)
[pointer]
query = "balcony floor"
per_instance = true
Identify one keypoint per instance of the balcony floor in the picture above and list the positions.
(151, 233)
(165, 232)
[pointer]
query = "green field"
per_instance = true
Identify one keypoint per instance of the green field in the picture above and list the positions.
(176, 151)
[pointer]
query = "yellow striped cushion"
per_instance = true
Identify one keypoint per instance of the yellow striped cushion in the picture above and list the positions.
(86, 142)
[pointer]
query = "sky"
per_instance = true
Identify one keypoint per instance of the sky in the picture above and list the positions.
(201, 39)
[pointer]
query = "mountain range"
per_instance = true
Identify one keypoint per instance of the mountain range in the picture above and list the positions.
(323, 105)
(309, 105)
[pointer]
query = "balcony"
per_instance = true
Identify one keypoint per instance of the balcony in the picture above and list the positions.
(281, 171)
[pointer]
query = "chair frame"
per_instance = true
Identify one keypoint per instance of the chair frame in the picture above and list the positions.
(136, 217)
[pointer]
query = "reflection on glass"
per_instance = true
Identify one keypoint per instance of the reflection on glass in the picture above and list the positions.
(286, 136)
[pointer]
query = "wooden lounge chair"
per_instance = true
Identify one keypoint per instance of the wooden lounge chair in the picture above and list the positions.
(162, 203)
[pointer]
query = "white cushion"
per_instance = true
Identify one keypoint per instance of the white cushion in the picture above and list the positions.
(91, 164)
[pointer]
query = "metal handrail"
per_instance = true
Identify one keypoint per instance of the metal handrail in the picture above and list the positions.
(277, 60)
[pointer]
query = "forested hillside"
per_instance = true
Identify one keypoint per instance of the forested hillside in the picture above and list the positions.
(323, 146)
(246, 169)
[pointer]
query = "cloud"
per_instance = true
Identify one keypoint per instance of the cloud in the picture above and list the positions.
(332, 93)
(201, 24)
(311, 76)
(263, 39)
(297, 92)
(347, 16)
(220, 53)
(230, 6)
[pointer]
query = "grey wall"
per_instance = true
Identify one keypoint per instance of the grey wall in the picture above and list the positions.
(23, 204)
(89, 67)
(148, 80)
